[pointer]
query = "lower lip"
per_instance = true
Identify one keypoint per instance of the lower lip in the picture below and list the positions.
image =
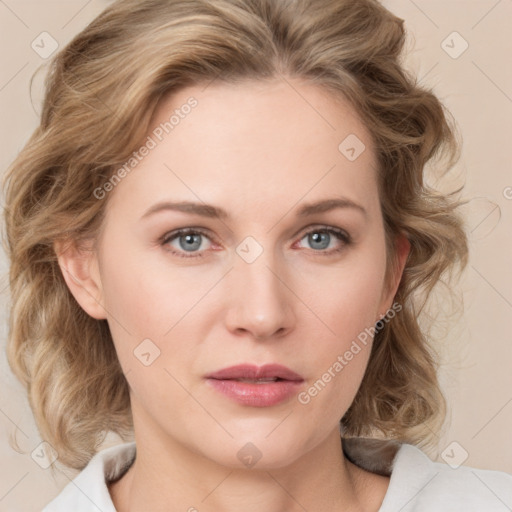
(257, 395)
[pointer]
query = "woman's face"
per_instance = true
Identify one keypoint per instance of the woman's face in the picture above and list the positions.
(281, 261)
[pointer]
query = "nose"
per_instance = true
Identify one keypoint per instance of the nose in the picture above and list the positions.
(261, 303)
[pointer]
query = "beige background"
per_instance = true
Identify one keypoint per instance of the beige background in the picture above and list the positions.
(477, 347)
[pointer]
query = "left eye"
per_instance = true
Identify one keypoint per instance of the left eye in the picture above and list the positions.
(320, 239)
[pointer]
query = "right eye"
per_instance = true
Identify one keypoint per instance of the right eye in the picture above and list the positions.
(186, 240)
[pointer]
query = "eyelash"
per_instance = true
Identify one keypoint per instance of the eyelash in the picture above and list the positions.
(340, 234)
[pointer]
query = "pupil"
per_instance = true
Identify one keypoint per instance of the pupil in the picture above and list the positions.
(320, 239)
(191, 241)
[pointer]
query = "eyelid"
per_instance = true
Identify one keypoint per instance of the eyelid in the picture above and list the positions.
(184, 231)
(324, 227)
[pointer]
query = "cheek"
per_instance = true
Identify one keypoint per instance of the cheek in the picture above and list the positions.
(146, 292)
(155, 314)
(346, 301)
(338, 356)
(347, 297)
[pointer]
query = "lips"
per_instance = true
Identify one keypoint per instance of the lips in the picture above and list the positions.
(268, 372)
(255, 386)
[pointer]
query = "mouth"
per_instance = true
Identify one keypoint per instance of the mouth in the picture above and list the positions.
(247, 372)
(257, 381)
(255, 386)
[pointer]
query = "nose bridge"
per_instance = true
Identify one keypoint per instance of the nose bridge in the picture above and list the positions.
(260, 302)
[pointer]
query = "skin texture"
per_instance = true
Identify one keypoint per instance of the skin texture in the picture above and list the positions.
(259, 150)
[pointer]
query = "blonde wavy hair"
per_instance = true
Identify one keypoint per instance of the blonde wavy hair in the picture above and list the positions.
(101, 91)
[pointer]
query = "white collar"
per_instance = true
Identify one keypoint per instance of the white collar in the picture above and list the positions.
(89, 492)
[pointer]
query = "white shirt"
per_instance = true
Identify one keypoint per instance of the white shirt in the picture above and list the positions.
(416, 485)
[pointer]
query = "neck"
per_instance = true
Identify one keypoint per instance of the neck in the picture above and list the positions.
(175, 478)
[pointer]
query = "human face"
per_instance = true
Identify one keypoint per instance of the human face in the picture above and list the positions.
(261, 285)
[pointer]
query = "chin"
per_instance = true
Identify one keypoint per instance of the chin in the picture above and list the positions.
(260, 448)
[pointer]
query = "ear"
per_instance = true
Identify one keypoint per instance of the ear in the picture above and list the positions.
(402, 248)
(79, 267)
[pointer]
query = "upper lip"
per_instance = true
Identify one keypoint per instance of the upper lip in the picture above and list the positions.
(253, 372)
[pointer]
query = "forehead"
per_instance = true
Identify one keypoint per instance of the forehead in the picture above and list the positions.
(253, 144)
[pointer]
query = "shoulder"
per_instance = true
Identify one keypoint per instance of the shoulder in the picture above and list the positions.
(88, 491)
(418, 484)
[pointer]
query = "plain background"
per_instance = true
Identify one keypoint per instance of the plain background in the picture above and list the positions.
(475, 83)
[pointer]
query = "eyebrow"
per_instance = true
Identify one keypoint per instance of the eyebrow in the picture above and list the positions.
(207, 210)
